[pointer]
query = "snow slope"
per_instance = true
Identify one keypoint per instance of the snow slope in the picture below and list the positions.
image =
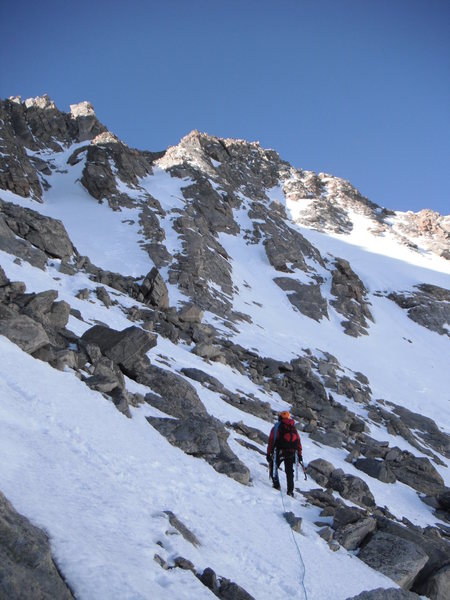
(99, 483)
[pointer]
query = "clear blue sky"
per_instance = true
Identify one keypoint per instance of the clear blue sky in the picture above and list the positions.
(356, 88)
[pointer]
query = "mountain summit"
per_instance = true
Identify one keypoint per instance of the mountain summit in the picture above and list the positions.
(158, 309)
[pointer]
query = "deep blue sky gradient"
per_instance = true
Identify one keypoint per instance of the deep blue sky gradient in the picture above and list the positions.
(356, 88)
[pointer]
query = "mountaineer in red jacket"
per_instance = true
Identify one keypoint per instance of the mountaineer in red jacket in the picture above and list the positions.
(284, 442)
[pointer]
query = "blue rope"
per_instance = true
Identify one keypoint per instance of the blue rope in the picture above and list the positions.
(299, 553)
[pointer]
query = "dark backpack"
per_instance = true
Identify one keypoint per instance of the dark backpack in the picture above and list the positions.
(287, 436)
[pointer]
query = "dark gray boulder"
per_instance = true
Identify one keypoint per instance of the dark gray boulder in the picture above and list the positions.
(425, 428)
(435, 546)
(395, 557)
(205, 437)
(346, 515)
(320, 470)
(386, 594)
(378, 469)
(45, 233)
(331, 438)
(294, 522)
(352, 488)
(417, 472)
(27, 569)
(222, 587)
(205, 379)
(444, 500)
(351, 536)
(43, 308)
(229, 590)
(27, 333)
(174, 395)
(437, 585)
(123, 347)
(153, 290)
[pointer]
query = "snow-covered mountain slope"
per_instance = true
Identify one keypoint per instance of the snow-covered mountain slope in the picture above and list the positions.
(242, 287)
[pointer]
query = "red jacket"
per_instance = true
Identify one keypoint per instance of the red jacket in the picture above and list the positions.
(271, 443)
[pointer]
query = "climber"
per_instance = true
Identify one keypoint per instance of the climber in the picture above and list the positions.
(284, 443)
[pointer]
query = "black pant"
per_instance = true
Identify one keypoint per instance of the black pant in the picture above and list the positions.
(289, 459)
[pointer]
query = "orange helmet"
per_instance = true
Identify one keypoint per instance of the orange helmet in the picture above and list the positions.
(285, 414)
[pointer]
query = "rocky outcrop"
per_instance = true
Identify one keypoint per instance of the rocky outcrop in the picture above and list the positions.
(349, 486)
(307, 298)
(34, 125)
(424, 428)
(378, 469)
(47, 234)
(110, 162)
(436, 587)
(430, 229)
(27, 568)
(429, 306)
(417, 472)
(351, 299)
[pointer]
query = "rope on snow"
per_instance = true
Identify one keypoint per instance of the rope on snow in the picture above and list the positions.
(303, 572)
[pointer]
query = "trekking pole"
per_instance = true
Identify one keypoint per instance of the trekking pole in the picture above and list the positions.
(304, 470)
(296, 465)
(274, 466)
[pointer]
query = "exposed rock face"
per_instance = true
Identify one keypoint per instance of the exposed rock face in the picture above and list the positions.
(45, 233)
(307, 298)
(430, 306)
(325, 201)
(351, 299)
(434, 546)
(107, 158)
(222, 587)
(396, 558)
(426, 429)
(27, 570)
(37, 124)
(431, 230)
